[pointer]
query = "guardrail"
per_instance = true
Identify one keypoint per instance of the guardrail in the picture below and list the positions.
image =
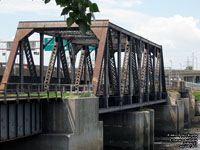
(193, 86)
(17, 91)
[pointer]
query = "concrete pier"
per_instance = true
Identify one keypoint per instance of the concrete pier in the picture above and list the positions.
(197, 108)
(175, 116)
(67, 125)
(166, 120)
(129, 130)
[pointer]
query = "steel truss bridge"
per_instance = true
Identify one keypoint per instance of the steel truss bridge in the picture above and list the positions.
(128, 72)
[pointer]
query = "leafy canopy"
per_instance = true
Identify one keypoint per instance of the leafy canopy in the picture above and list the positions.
(189, 68)
(80, 12)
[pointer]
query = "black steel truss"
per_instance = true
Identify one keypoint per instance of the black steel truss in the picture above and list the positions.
(142, 72)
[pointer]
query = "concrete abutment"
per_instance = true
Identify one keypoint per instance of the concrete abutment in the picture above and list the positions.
(67, 125)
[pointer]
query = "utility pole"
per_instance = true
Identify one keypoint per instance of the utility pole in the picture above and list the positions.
(181, 66)
(196, 63)
(193, 60)
(171, 63)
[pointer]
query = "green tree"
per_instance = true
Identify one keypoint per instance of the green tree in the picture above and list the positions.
(189, 68)
(80, 12)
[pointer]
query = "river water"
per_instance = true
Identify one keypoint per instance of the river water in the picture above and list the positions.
(165, 143)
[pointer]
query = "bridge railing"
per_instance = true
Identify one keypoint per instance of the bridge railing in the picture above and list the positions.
(17, 91)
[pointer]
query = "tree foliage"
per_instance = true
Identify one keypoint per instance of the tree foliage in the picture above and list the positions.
(80, 12)
(189, 68)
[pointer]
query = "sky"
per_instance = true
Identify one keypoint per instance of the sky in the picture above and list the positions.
(173, 24)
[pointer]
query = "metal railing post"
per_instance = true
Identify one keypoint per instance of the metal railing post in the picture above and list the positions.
(17, 91)
(5, 94)
(38, 91)
(56, 92)
(70, 94)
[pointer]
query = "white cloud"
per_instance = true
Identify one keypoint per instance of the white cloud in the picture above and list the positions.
(179, 35)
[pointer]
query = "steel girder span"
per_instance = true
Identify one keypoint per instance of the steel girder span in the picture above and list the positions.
(128, 70)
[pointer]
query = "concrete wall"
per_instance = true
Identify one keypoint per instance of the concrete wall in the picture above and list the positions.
(67, 125)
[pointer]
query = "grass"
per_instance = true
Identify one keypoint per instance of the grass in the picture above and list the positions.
(172, 90)
(51, 95)
(196, 95)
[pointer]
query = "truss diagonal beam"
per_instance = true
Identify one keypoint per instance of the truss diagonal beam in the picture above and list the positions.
(89, 63)
(151, 76)
(157, 86)
(64, 63)
(50, 67)
(144, 69)
(125, 68)
(80, 68)
(101, 34)
(134, 68)
(30, 61)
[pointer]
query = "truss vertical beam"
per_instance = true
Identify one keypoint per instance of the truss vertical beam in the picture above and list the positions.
(160, 76)
(73, 60)
(58, 59)
(130, 73)
(153, 74)
(106, 84)
(30, 61)
(147, 75)
(85, 66)
(21, 61)
(164, 91)
(139, 59)
(41, 58)
(119, 62)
